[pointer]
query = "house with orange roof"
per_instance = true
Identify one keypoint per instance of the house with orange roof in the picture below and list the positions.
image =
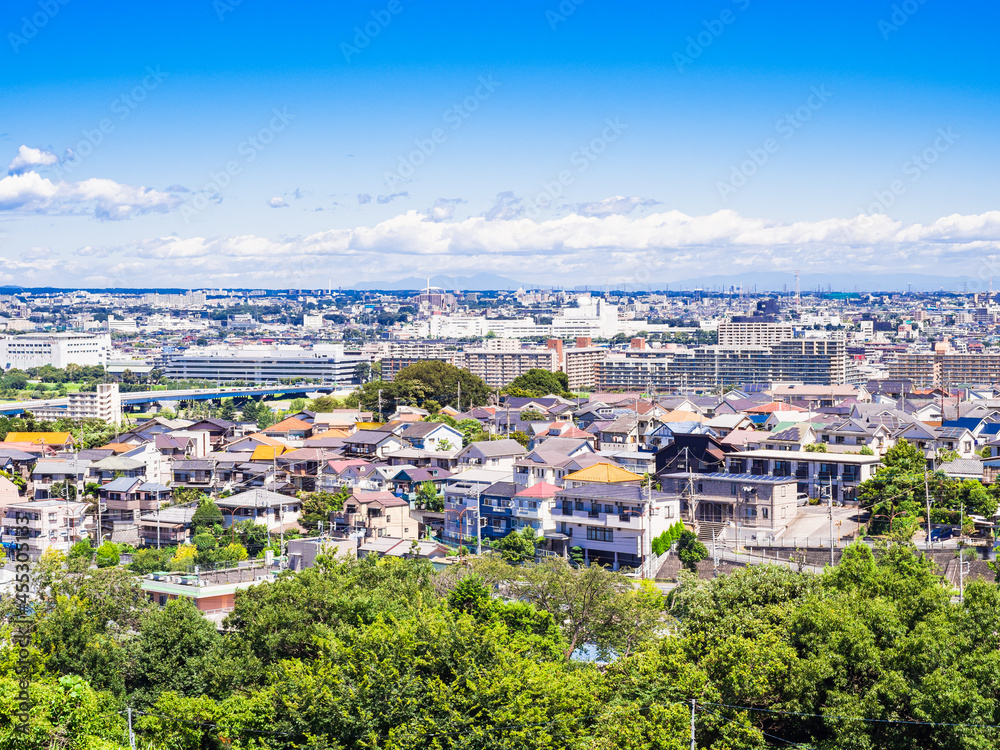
(55, 440)
(290, 429)
(604, 472)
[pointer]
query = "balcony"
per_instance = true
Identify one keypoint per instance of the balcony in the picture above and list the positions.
(610, 520)
(529, 512)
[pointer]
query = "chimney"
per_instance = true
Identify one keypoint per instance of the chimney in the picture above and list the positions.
(583, 342)
(638, 343)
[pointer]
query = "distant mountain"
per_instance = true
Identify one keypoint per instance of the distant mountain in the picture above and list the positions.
(477, 283)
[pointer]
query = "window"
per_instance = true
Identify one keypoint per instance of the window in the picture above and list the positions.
(600, 535)
(732, 489)
(609, 509)
(763, 512)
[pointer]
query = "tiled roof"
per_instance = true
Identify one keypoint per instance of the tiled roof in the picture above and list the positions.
(39, 438)
(602, 473)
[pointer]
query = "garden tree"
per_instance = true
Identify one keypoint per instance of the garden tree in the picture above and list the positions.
(107, 555)
(150, 560)
(586, 601)
(184, 558)
(522, 437)
(518, 546)
(252, 536)
(185, 495)
(81, 549)
(472, 431)
(690, 550)
(538, 382)
(228, 410)
(317, 507)
(65, 712)
(816, 448)
(428, 497)
(323, 404)
(330, 598)
(16, 479)
(250, 411)
(438, 380)
(362, 372)
(175, 644)
(296, 405)
(206, 516)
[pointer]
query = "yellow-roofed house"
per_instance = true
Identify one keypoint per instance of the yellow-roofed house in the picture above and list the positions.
(601, 473)
(58, 440)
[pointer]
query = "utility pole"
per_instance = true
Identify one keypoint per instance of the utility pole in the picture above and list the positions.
(830, 505)
(927, 495)
(460, 396)
(694, 745)
(961, 558)
(131, 736)
(380, 404)
(479, 525)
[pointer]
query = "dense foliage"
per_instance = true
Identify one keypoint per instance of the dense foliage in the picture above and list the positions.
(387, 653)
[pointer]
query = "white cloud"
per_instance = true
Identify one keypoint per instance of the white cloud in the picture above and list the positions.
(581, 249)
(444, 209)
(28, 157)
(277, 202)
(29, 192)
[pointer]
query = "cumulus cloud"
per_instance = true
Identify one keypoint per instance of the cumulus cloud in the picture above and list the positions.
(364, 198)
(277, 202)
(383, 199)
(576, 249)
(618, 204)
(506, 206)
(29, 192)
(444, 208)
(28, 157)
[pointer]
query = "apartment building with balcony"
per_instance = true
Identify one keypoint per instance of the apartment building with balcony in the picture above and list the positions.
(754, 501)
(55, 524)
(816, 474)
(461, 501)
(496, 507)
(613, 525)
(532, 506)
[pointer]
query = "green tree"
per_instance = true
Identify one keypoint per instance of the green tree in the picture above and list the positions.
(428, 497)
(107, 555)
(518, 546)
(536, 383)
(690, 550)
(207, 515)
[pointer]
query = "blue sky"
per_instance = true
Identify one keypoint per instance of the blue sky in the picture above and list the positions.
(564, 142)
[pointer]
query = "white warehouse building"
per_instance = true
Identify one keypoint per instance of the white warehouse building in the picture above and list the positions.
(56, 349)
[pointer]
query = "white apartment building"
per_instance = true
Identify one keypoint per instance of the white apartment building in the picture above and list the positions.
(105, 404)
(56, 349)
(42, 524)
(740, 334)
(265, 364)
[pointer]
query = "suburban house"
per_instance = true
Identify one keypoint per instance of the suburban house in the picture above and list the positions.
(261, 506)
(51, 471)
(764, 503)
(371, 444)
(375, 514)
(612, 524)
(432, 436)
(496, 455)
